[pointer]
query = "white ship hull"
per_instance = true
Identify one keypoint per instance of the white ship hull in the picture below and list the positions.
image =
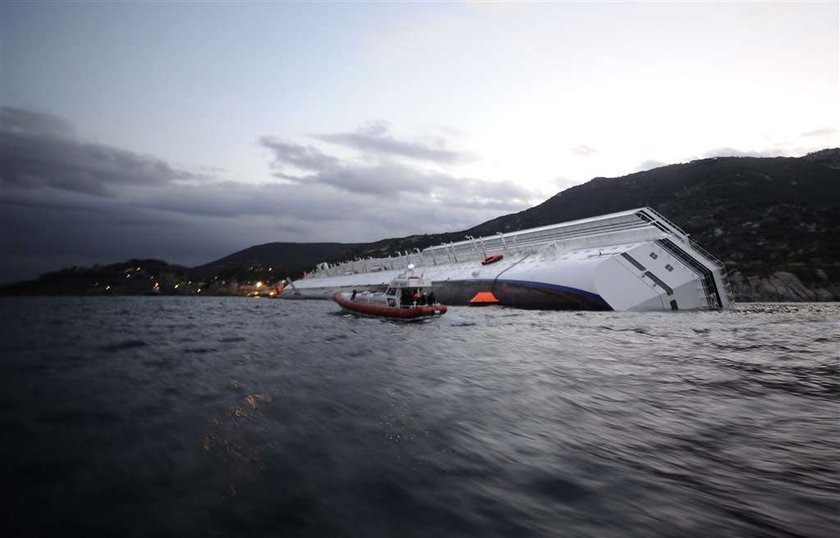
(634, 260)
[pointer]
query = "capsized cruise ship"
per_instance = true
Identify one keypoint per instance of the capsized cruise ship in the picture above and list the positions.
(634, 260)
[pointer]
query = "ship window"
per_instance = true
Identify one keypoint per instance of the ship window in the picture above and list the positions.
(391, 291)
(653, 255)
(669, 267)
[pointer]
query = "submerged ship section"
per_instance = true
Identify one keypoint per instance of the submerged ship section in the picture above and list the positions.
(634, 260)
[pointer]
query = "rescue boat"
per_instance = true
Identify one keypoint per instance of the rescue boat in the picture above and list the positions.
(405, 298)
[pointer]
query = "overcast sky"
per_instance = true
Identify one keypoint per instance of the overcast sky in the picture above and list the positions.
(187, 131)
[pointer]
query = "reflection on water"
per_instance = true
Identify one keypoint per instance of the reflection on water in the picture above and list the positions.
(228, 438)
(219, 416)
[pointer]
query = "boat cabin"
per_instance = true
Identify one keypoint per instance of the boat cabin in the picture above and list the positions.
(407, 291)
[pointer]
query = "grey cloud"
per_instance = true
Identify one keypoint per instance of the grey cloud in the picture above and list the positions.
(649, 165)
(827, 131)
(23, 122)
(39, 150)
(329, 199)
(584, 151)
(503, 190)
(732, 152)
(232, 200)
(562, 183)
(302, 157)
(386, 179)
(383, 179)
(375, 138)
(497, 207)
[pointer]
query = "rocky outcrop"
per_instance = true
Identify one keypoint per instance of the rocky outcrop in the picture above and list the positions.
(782, 286)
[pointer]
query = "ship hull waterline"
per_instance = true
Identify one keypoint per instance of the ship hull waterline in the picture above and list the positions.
(524, 295)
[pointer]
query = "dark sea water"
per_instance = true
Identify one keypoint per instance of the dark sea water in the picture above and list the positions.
(235, 417)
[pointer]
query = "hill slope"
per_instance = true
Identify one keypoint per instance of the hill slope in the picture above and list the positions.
(285, 258)
(762, 216)
(755, 213)
(774, 221)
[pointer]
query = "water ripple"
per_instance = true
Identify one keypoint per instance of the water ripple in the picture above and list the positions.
(224, 416)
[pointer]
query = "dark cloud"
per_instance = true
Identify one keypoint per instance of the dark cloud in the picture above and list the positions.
(53, 186)
(40, 150)
(28, 122)
(191, 225)
(51, 237)
(375, 138)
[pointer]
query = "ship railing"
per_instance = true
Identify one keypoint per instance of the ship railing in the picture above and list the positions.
(658, 216)
(687, 238)
(472, 252)
(720, 265)
(563, 235)
(586, 224)
(519, 241)
(477, 248)
(564, 231)
(538, 241)
(722, 271)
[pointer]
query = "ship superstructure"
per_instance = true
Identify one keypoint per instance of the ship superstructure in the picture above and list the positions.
(633, 260)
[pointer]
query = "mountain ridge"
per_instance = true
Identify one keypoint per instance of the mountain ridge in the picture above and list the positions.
(704, 197)
(775, 222)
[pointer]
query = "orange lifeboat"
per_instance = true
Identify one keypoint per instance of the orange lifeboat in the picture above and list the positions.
(483, 298)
